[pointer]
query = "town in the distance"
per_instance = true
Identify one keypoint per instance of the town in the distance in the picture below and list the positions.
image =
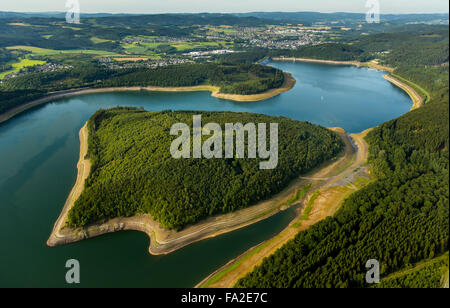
(162, 147)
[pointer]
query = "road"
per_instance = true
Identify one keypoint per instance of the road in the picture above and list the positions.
(330, 186)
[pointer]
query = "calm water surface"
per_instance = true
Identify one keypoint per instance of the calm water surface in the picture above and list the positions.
(39, 150)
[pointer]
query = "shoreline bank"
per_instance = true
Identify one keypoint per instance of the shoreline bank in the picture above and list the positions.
(417, 99)
(326, 202)
(164, 241)
(289, 83)
(83, 167)
(371, 64)
(329, 189)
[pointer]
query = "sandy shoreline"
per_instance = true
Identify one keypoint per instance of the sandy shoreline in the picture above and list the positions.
(331, 195)
(288, 84)
(332, 184)
(164, 241)
(84, 167)
(371, 64)
(415, 97)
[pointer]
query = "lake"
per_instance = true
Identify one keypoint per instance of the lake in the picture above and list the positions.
(39, 151)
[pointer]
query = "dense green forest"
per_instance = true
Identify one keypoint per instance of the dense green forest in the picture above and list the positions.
(332, 51)
(234, 73)
(50, 30)
(5, 55)
(429, 274)
(13, 99)
(233, 79)
(413, 45)
(5, 58)
(248, 57)
(133, 171)
(400, 218)
(393, 48)
(54, 33)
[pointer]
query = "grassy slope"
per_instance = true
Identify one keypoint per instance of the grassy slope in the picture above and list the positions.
(20, 65)
(45, 52)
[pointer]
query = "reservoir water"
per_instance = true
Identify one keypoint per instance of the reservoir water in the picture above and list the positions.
(39, 150)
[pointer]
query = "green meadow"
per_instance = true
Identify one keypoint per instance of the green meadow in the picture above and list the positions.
(20, 65)
(48, 52)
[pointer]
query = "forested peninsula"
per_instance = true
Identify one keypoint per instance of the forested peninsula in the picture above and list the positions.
(133, 172)
(240, 82)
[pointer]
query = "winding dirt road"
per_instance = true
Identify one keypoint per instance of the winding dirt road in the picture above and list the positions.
(330, 186)
(165, 241)
(416, 98)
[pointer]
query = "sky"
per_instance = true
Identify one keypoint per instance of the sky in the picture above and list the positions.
(226, 6)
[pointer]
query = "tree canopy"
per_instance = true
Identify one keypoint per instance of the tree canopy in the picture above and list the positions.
(133, 171)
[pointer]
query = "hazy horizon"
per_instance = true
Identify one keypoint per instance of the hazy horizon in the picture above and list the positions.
(180, 13)
(231, 6)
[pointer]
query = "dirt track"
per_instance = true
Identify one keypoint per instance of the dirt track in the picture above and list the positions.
(371, 64)
(331, 185)
(164, 241)
(333, 182)
(332, 190)
(416, 98)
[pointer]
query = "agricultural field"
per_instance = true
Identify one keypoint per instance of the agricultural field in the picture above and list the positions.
(20, 65)
(97, 40)
(202, 45)
(36, 51)
(220, 29)
(151, 49)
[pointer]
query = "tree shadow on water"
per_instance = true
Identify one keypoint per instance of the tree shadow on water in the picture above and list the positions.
(17, 181)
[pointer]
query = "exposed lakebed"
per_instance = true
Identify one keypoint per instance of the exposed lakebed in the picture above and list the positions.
(39, 150)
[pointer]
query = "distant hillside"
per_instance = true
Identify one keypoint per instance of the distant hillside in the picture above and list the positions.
(400, 218)
(252, 18)
(343, 18)
(54, 15)
(154, 19)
